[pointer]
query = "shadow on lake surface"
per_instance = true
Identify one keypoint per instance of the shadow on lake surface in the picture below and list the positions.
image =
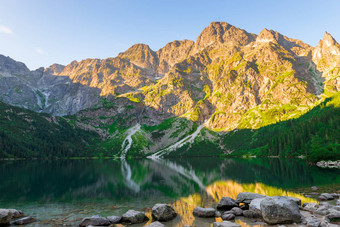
(66, 190)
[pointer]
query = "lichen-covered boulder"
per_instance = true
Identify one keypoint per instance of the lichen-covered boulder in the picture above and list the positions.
(163, 212)
(280, 210)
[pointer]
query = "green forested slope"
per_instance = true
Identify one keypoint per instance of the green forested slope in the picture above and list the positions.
(315, 135)
(26, 134)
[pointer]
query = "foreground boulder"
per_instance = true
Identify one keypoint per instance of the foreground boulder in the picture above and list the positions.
(134, 217)
(247, 197)
(95, 221)
(24, 221)
(251, 214)
(280, 210)
(114, 219)
(16, 213)
(204, 212)
(326, 196)
(237, 211)
(5, 216)
(163, 212)
(226, 203)
(155, 224)
(228, 216)
(255, 205)
(225, 224)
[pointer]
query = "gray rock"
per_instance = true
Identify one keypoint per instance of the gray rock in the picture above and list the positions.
(228, 216)
(333, 214)
(114, 219)
(313, 221)
(338, 202)
(218, 214)
(255, 205)
(326, 196)
(155, 224)
(134, 217)
(5, 216)
(250, 214)
(310, 206)
(225, 224)
(237, 211)
(314, 188)
(226, 203)
(163, 212)
(24, 221)
(204, 212)
(323, 209)
(95, 221)
(16, 213)
(296, 200)
(247, 197)
(280, 210)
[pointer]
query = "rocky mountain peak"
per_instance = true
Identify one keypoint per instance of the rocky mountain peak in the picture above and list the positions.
(328, 40)
(267, 36)
(222, 34)
(326, 48)
(55, 69)
(142, 56)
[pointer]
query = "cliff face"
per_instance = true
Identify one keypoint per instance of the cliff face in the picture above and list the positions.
(41, 91)
(228, 77)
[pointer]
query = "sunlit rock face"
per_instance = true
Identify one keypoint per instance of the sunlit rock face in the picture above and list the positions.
(233, 78)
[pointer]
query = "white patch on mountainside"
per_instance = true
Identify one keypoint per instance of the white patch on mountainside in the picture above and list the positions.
(187, 140)
(126, 145)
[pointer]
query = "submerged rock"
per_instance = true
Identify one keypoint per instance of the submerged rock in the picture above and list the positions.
(134, 217)
(226, 203)
(155, 224)
(95, 221)
(24, 221)
(5, 216)
(247, 197)
(163, 212)
(204, 212)
(280, 210)
(225, 224)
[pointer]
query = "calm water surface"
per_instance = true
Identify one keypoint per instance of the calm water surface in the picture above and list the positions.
(62, 192)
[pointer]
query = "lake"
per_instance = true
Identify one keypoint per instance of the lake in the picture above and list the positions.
(62, 192)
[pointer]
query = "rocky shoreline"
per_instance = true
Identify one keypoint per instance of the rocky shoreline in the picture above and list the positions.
(270, 210)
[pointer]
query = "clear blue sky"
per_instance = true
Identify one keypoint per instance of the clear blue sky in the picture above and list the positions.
(42, 32)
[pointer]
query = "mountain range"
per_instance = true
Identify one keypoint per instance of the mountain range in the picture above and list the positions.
(156, 102)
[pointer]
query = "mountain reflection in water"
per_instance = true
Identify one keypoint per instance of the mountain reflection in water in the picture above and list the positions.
(71, 189)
